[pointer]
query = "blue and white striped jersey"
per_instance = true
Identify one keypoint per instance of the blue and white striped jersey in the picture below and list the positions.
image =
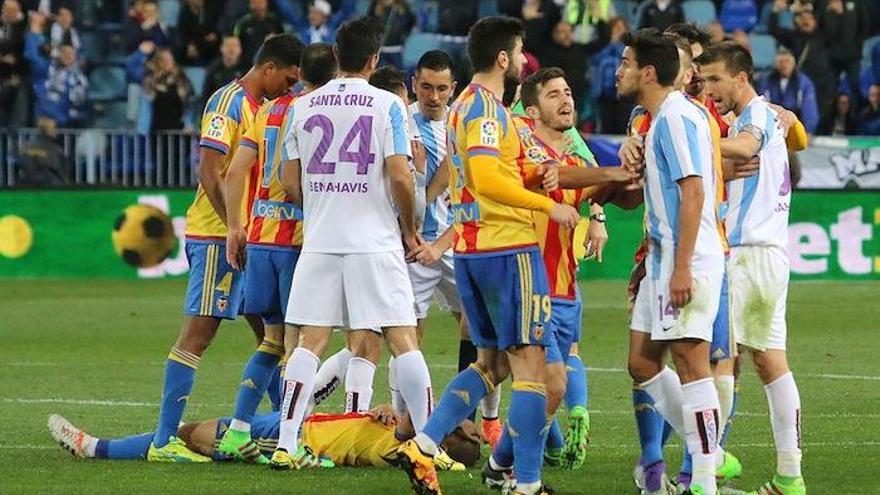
(432, 134)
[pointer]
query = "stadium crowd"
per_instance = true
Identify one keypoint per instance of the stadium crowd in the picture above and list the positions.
(70, 61)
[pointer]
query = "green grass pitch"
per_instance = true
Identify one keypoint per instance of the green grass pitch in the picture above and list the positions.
(94, 350)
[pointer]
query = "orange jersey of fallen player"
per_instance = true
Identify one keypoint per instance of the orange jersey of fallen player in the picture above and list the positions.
(273, 219)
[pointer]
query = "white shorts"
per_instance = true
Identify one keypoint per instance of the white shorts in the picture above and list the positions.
(640, 320)
(694, 321)
(758, 289)
(360, 291)
(438, 279)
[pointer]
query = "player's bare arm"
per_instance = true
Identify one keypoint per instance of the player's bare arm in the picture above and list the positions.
(402, 190)
(440, 182)
(430, 252)
(579, 177)
(292, 181)
(211, 179)
(744, 145)
(234, 192)
(740, 169)
(681, 283)
(597, 234)
(632, 154)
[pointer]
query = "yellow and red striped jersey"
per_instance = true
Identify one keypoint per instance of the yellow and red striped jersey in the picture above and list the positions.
(229, 113)
(273, 218)
(556, 241)
(478, 124)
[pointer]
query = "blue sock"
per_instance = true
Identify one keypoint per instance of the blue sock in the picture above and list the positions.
(134, 447)
(650, 425)
(503, 453)
(459, 399)
(467, 354)
(180, 373)
(555, 440)
(527, 422)
(729, 424)
(576, 392)
(273, 390)
(256, 377)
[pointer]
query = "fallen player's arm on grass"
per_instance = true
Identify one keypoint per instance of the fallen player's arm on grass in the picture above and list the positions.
(291, 180)
(489, 182)
(238, 170)
(211, 179)
(440, 182)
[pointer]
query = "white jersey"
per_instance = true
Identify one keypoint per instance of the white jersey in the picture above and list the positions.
(679, 145)
(433, 137)
(758, 206)
(342, 133)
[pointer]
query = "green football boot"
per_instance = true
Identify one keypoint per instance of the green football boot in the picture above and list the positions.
(174, 451)
(730, 469)
(574, 453)
(240, 447)
(782, 485)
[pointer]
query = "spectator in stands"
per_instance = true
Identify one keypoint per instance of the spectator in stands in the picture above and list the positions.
(168, 88)
(455, 18)
(589, 19)
(321, 24)
(786, 86)
(48, 7)
(869, 118)
(808, 45)
(571, 57)
(398, 20)
(846, 26)
(197, 28)
(227, 67)
(136, 63)
(146, 26)
(63, 32)
(613, 111)
(255, 27)
(738, 15)
(14, 91)
(839, 119)
(540, 16)
(716, 32)
(59, 84)
(659, 14)
(43, 163)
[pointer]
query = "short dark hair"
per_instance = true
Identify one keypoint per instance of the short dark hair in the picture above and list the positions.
(435, 60)
(690, 33)
(388, 78)
(356, 42)
(735, 57)
(490, 36)
(682, 45)
(654, 49)
(318, 64)
(284, 50)
(531, 86)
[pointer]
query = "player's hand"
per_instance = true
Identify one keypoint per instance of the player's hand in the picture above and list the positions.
(420, 157)
(741, 169)
(550, 177)
(785, 119)
(236, 239)
(412, 243)
(620, 174)
(635, 185)
(681, 287)
(427, 254)
(565, 215)
(383, 414)
(631, 154)
(597, 237)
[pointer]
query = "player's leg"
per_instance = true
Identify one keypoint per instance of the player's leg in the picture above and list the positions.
(316, 306)
(365, 347)
(331, 374)
(567, 317)
(759, 287)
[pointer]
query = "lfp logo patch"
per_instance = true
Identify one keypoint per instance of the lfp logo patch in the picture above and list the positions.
(216, 126)
(489, 133)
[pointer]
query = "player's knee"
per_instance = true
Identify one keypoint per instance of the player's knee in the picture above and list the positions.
(556, 383)
(642, 369)
(197, 334)
(769, 365)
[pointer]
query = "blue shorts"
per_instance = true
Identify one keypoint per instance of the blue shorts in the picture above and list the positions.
(268, 273)
(566, 324)
(722, 333)
(264, 431)
(505, 297)
(215, 288)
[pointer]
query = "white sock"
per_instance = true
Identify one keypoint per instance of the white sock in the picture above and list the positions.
(665, 389)
(331, 375)
(425, 444)
(415, 386)
(397, 401)
(299, 382)
(239, 425)
(701, 424)
(490, 404)
(91, 444)
(785, 417)
(359, 385)
(724, 384)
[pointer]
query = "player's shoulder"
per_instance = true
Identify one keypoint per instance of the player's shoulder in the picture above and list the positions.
(227, 101)
(483, 104)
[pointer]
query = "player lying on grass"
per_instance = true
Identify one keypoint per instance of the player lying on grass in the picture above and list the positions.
(354, 439)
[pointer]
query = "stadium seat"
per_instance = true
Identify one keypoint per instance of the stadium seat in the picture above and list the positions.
(361, 7)
(107, 83)
(763, 47)
(170, 12)
(738, 15)
(625, 9)
(786, 19)
(487, 8)
(866, 50)
(112, 115)
(92, 46)
(416, 45)
(196, 76)
(428, 13)
(700, 12)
